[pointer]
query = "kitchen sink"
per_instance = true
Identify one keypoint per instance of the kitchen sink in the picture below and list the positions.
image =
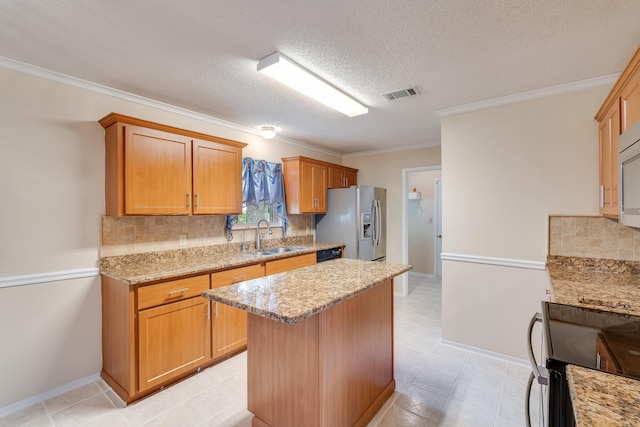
(276, 251)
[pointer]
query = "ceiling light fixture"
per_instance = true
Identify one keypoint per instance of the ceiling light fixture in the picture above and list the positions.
(267, 132)
(279, 67)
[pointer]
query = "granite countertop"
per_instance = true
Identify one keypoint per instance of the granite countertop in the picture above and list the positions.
(297, 294)
(163, 265)
(603, 284)
(601, 399)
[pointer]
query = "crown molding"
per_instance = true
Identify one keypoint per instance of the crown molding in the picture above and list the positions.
(533, 94)
(55, 76)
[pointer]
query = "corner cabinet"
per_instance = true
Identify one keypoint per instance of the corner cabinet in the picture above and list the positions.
(306, 182)
(619, 111)
(154, 169)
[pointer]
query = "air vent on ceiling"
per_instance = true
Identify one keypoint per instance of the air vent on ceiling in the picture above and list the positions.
(402, 93)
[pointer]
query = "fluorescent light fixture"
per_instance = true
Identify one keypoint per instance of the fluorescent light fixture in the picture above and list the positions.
(267, 132)
(279, 67)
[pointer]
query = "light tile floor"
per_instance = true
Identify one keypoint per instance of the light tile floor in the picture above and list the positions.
(437, 385)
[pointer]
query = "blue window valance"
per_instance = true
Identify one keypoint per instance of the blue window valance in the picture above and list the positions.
(262, 183)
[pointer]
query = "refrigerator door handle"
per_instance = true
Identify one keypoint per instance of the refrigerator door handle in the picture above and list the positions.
(377, 223)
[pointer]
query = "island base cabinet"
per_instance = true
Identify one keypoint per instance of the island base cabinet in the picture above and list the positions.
(331, 369)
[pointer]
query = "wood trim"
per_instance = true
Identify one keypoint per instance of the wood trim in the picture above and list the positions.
(614, 95)
(112, 118)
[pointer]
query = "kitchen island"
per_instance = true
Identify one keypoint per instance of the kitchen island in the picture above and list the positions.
(320, 342)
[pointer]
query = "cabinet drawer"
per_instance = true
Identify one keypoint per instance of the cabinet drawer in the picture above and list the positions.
(286, 264)
(175, 290)
(236, 275)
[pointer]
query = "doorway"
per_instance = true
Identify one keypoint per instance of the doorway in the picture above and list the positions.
(421, 222)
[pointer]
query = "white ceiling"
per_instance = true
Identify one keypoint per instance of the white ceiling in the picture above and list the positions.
(202, 54)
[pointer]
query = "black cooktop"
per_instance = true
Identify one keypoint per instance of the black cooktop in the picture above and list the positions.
(591, 338)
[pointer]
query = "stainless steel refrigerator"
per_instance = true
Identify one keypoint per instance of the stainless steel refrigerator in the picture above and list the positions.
(356, 216)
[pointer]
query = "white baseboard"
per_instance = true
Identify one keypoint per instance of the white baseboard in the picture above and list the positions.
(14, 407)
(499, 356)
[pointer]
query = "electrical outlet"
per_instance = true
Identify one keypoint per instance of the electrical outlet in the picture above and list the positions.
(183, 240)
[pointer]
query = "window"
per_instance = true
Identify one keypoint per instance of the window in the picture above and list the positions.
(262, 196)
(252, 213)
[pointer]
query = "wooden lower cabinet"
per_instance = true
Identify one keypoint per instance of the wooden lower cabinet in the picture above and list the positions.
(604, 356)
(229, 325)
(153, 335)
(286, 264)
(172, 339)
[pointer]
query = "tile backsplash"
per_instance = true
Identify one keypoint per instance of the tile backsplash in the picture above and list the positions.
(137, 234)
(593, 237)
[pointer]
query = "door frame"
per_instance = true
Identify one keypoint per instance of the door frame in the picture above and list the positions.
(404, 288)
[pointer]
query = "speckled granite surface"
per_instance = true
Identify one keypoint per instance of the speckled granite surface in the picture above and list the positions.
(601, 399)
(152, 266)
(603, 284)
(295, 295)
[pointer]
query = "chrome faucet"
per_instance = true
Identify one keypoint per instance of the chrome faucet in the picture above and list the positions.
(259, 236)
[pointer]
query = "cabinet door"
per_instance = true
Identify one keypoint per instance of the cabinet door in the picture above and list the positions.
(605, 359)
(287, 264)
(609, 132)
(217, 178)
(229, 331)
(319, 188)
(350, 178)
(157, 172)
(630, 101)
(172, 339)
(336, 178)
(341, 177)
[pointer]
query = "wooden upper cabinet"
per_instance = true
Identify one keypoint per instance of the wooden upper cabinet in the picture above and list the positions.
(154, 169)
(157, 172)
(217, 178)
(342, 177)
(619, 110)
(306, 182)
(630, 101)
(609, 133)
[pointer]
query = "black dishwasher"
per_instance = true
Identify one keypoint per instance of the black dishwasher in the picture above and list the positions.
(328, 254)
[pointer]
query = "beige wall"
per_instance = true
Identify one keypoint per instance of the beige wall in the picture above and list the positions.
(504, 170)
(385, 170)
(52, 187)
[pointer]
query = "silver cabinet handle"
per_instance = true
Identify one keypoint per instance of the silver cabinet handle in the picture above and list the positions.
(178, 291)
(208, 310)
(602, 196)
(598, 361)
(197, 200)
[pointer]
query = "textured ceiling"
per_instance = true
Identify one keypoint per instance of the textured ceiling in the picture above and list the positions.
(201, 55)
